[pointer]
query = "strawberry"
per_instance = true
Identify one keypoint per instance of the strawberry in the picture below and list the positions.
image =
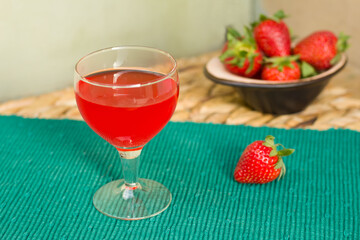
(231, 33)
(281, 69)
(321, 49)
(272, 35)
(261, 162)
(240, 54)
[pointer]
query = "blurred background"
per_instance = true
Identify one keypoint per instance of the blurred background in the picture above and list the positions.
(41, 41)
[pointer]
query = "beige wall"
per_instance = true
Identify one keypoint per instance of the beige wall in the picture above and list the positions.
(41, 40)
(307, 16)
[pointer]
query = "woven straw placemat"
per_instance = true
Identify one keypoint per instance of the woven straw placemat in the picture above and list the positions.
(201, 100)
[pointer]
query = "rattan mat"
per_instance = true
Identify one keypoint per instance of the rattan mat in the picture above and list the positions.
(204, 101)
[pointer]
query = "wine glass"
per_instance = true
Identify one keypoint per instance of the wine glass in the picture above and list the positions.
(127, 95)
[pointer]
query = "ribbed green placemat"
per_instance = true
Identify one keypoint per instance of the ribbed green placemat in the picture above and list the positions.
(50, 169)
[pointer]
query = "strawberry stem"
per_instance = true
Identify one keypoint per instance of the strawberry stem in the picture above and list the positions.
(281, 62)
(269, 142)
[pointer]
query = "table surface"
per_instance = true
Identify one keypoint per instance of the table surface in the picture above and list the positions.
(201, 100)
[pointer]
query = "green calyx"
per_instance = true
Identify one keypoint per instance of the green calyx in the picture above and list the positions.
(307, 70)
(281, 62)
(232, 33)
(240, 49)
(341, 46)
(277, 17)
(269, 142)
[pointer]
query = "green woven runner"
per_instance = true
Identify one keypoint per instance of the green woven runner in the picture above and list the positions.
(50, 169)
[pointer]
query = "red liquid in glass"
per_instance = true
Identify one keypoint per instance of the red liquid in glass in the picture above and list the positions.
(127, 117)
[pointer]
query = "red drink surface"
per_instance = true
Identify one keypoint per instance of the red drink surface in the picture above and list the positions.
(127, 117)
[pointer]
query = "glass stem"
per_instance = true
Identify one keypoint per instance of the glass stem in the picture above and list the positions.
(130, 166)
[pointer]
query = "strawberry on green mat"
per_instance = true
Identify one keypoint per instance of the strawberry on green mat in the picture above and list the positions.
(272, 35)
(321, 49)
(261, 162)
(240, 54)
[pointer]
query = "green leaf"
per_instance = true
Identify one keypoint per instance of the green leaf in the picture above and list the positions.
(280, 15)
(263, 17)
(342, 44)
(293, 58)
(279, 164)
(307, 70)
(243, 53)
(249, 37)
(281, 62)
(228, 53)
(273, 153)
(232, 61)
(232, 33)
(254, 24)
(285, 152)
(251, 65)
(241, 62)
(247, 32)
(229, 37)
(335, 59)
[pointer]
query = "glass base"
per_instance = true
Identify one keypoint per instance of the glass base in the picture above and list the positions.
(147, 199)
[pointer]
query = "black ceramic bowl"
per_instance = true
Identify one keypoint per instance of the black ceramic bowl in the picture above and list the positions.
(273, 96)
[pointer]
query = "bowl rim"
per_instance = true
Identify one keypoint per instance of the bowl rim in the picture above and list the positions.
(239, 81)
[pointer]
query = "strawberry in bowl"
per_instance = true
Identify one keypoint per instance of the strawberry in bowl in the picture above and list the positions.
(272, 77)
(240, 54)
(281, 69)
(272, 35)
(322, 49)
